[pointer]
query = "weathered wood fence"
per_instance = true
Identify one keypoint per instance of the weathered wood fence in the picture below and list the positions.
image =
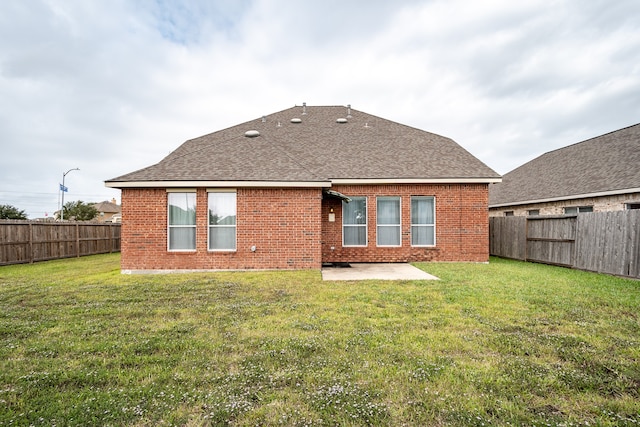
(31, 241)
(605, 242)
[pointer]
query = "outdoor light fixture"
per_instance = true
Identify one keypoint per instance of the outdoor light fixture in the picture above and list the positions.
(332, 216)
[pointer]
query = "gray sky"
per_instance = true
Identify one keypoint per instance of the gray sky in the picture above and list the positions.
(114, 86)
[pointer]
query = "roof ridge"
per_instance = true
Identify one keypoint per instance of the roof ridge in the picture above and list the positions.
(589, 139)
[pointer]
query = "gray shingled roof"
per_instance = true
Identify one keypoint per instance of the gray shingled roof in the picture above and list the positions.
(315, 150)
(108, 207)
(607, 163)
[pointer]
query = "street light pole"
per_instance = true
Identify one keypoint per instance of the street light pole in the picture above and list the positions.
(63, 190)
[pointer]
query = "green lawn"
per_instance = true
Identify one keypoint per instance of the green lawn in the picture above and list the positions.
(506, 343)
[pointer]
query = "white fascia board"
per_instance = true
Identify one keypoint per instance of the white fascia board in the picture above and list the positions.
(572, 197)
(298, 184)
(377, 181)
(217, 184)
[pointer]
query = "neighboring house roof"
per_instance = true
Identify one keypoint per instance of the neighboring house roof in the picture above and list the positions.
(107, 207)
(600, 166)
(313, 145)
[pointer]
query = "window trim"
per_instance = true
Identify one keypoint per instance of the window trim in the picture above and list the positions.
(435, 235)
(210, 226)
(365, 225)
(398, 225)
(195, 219)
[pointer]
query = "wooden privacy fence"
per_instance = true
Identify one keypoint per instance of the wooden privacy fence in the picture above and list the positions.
(30, 241)
(605, 242)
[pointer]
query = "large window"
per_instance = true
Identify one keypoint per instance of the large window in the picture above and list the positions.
(222, 221)
(423, 221)
(182, 221)
(354, 222)
(388, 222)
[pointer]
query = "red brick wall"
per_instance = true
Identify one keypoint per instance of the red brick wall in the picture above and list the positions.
(462, 225)
(282, 224)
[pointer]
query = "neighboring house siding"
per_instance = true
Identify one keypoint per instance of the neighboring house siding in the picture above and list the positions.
(600, 204)
(461, 228)
(281, 223)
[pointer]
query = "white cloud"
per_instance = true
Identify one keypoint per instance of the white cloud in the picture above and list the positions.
(115, 86)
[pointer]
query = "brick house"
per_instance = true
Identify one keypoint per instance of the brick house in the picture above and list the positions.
(303, 187)
(597, 175)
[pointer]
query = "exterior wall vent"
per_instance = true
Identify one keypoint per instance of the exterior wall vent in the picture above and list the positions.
(341, 120)
(251, 133)
(296, 120)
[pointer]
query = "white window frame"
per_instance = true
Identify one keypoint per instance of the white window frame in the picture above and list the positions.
(433, 226)
(398, 225)
(212, 226)
(365, 225)
(170, 226)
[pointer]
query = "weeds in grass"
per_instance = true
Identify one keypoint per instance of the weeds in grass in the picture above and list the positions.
(501, 344)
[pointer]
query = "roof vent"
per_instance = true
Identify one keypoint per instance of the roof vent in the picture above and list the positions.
(348, 111)
(296, 120)
(251, 133)
(341, 120)
(304, 108)
(264, 119)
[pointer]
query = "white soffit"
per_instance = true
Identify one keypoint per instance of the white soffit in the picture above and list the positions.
(376, 181)
(215, 184)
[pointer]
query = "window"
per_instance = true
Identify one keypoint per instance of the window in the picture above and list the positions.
(388, 214)
(354, 222)
(222, 221)
(423, 221)
(573, 210)
(533, 212)
(633, 205)
(508, 213)
(182, 221)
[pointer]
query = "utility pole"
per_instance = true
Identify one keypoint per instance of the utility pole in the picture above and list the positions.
(62, 190)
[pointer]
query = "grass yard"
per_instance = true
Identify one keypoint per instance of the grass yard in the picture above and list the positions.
(506, 343)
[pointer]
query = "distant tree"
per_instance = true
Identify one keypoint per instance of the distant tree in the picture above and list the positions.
(79, 211)
(11, 212)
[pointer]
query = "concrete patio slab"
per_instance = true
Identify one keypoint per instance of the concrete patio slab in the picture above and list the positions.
(373, 271)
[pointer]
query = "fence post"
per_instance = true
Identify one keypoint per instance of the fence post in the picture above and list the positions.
(526, 238)
(31, 243)
(77, 240)
(574, 253)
